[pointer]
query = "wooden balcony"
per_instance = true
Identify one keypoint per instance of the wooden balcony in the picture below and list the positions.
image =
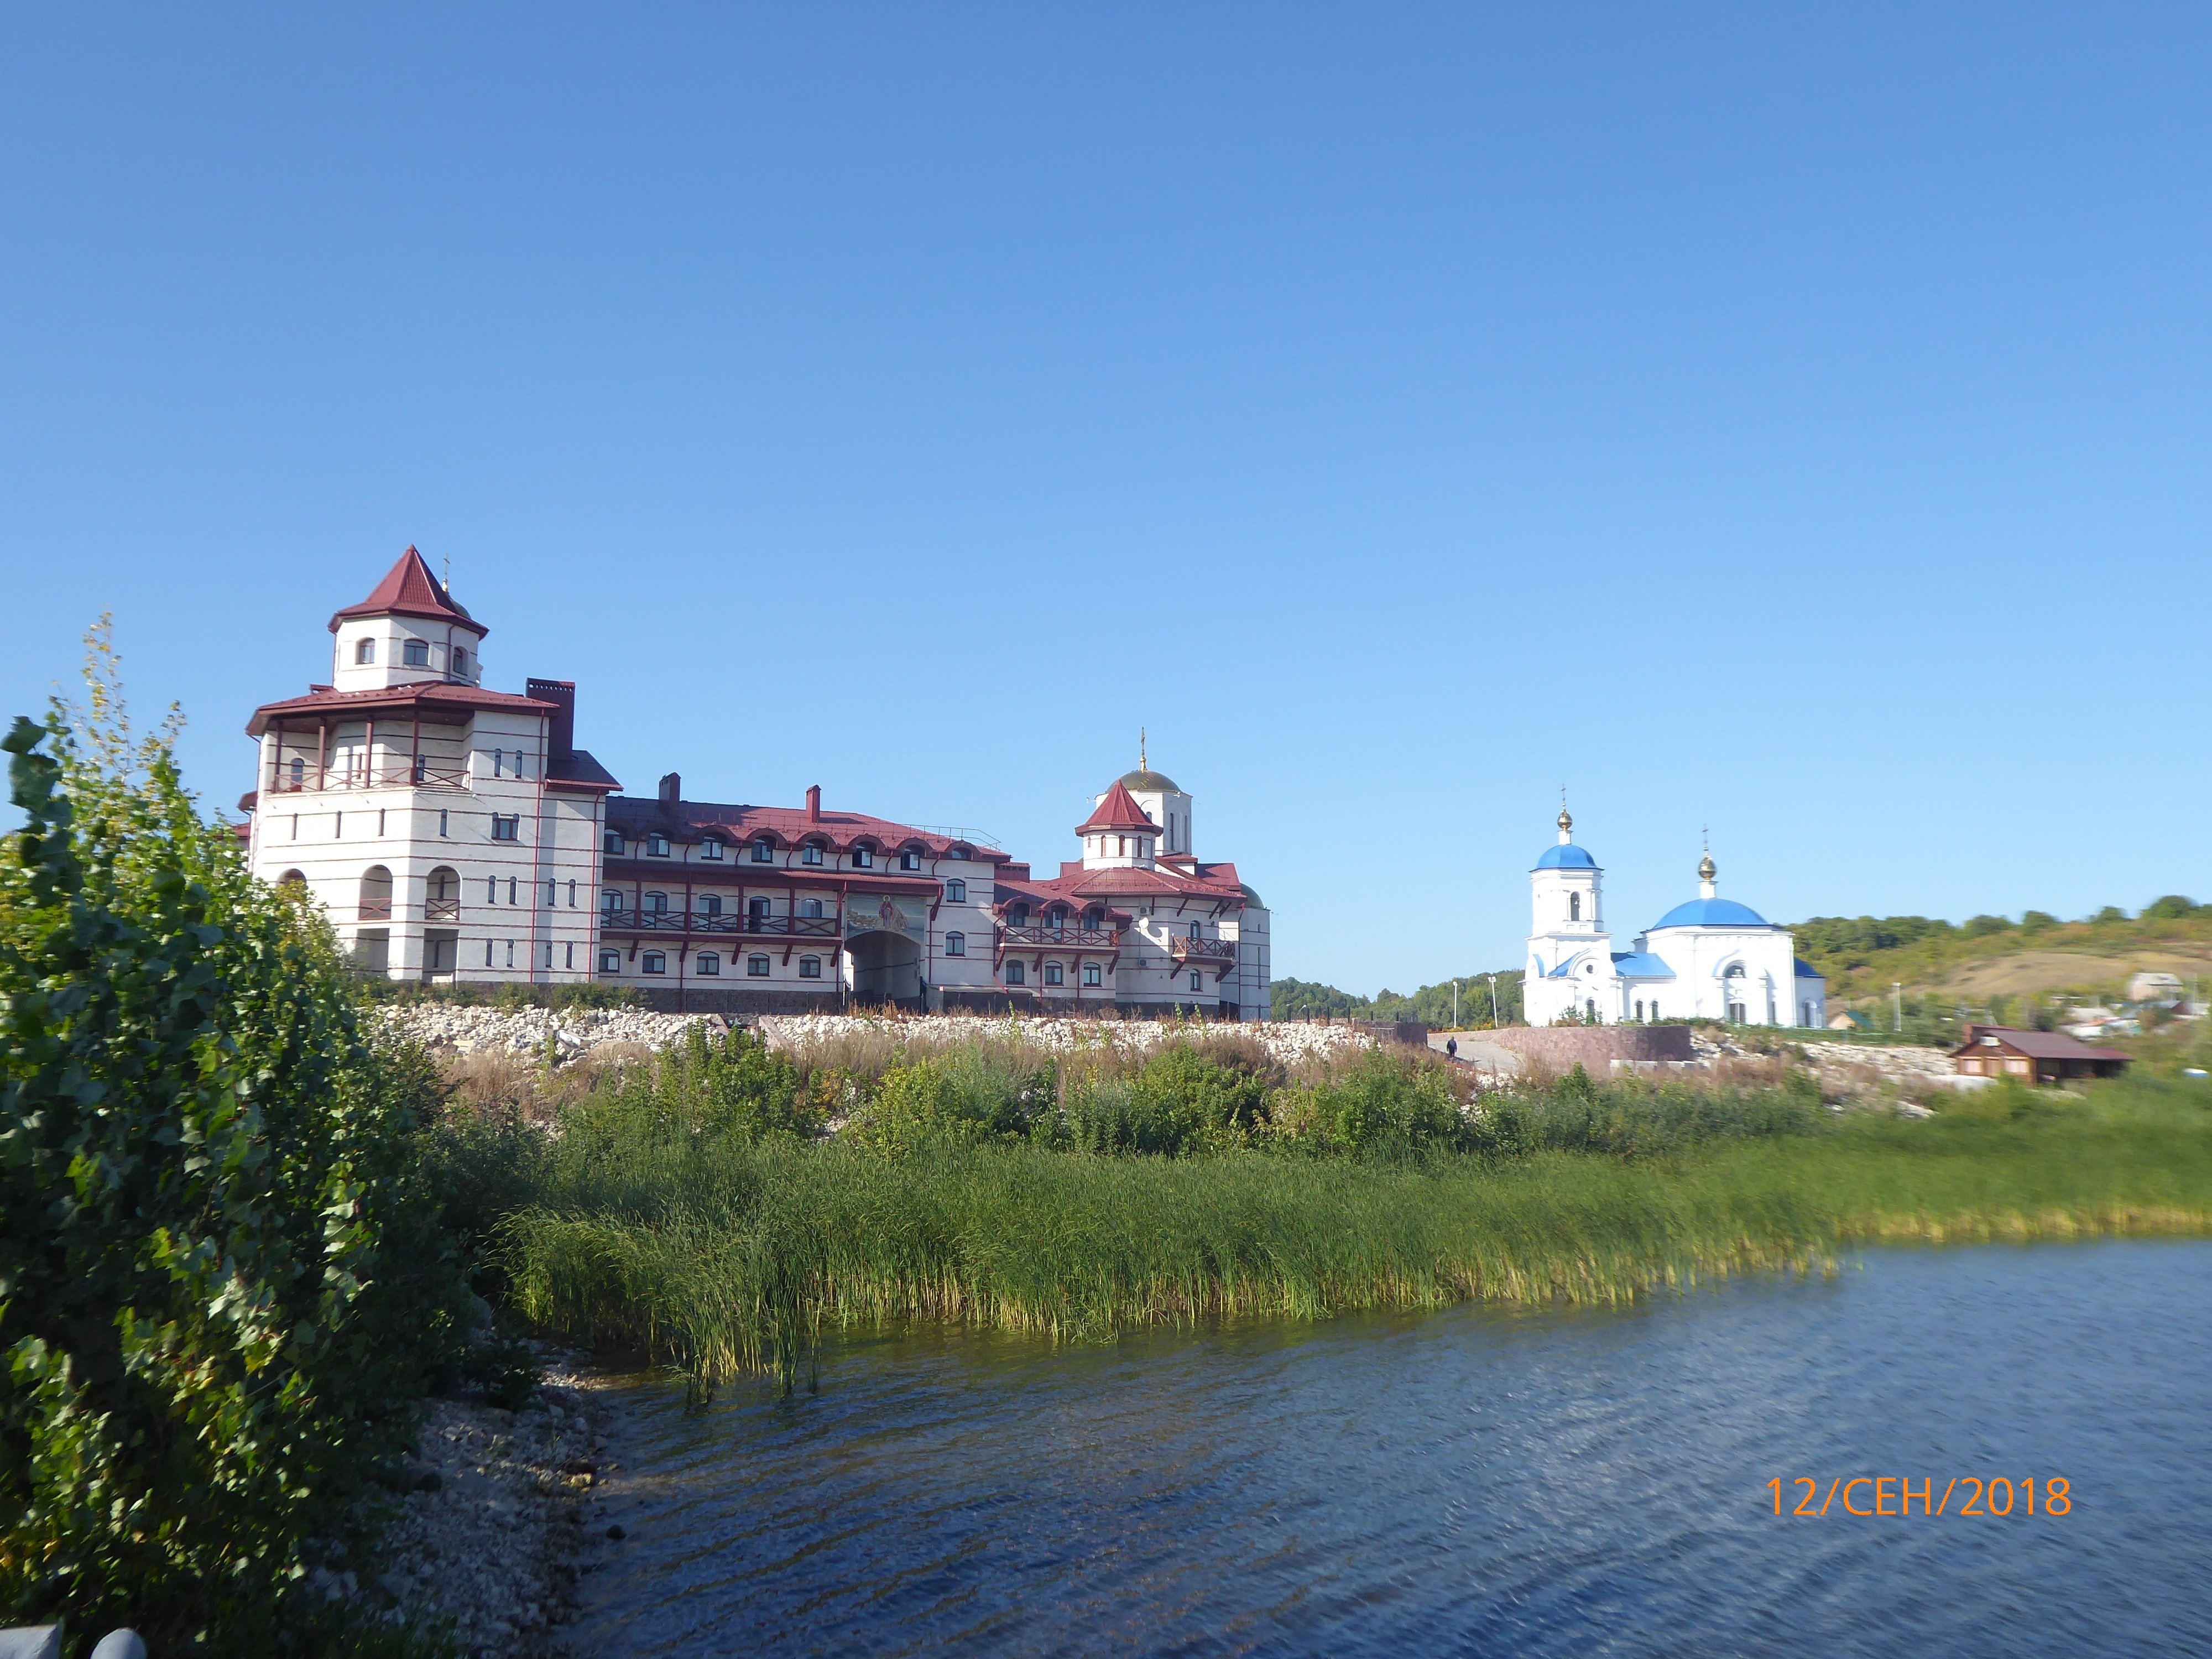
(1202, 952)
(373, 910)
(1044, 934)
(723, 926)
(442, 910)
(408, 775)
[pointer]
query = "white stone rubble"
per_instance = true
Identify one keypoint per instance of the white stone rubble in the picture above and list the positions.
(1286, 1042)
(465, 1028)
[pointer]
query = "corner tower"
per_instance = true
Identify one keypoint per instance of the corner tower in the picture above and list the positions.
(409, 631)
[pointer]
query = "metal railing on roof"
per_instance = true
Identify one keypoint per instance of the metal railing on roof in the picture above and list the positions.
(963, 832)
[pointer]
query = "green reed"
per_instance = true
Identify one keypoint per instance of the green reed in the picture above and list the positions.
(721, 1256)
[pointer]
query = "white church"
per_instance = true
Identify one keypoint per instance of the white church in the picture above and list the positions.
(1707, 958)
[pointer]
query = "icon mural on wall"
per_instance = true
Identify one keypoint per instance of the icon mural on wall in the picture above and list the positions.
(886, 913)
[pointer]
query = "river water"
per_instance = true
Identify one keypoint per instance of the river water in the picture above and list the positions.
(1472, 1481)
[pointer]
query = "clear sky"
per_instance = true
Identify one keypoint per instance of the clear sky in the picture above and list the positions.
(1788, 419)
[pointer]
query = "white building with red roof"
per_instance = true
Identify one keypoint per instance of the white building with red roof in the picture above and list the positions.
(453, 833)
(448, 831)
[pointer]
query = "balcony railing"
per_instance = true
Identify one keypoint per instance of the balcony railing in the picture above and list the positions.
(1208, 952)
(1079, 938)
(680, 921)
(408, 775)
(375, 910)
(442, 910)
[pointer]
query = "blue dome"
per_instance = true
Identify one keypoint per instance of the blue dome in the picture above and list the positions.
(1567, 856)
(1710, 913)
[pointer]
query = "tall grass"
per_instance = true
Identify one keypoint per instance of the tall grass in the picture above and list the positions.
(725, 1253)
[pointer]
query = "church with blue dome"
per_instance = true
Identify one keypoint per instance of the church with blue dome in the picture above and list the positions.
(1707, 958)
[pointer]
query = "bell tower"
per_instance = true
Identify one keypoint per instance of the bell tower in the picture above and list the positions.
(1569, 950)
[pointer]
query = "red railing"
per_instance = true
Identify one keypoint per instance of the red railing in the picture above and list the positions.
(442, 910)
(679, 921)
(375, 910)
(1080, 939)
(1209, 951)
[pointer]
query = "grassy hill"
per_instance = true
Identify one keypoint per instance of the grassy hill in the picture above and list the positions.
(1992, 967)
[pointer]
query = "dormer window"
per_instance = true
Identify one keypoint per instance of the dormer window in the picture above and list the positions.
(811, 853)
(1017, 915)
(656, 846)
(613, 843)
(863, 859)
(416, 654)
(763, 851)
(711, 847)
(910, 858)
(364, 652)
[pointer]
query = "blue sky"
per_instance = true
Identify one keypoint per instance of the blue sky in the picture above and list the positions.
(1790, 420)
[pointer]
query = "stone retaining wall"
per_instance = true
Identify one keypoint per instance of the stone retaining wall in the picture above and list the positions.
(1593, 1047)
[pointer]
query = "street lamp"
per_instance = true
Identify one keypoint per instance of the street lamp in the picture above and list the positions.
(1896, 1002)
(1495, 1025)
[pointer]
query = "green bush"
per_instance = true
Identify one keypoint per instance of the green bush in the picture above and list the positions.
(1181, 1102)
(222, 1288)
(1387, 1107)
(960, 1099)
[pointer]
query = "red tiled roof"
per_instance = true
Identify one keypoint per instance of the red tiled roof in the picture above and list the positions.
(1214, 882)
(789, 825)
(427, 694)
(1117, 809)
(2036, 1045)
(410, 590)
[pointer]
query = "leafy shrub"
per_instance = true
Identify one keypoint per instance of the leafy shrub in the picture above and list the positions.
(1635, 1120)
(962, 1099)
(1385, 1107)
(222, 1285)
(1179, 1103)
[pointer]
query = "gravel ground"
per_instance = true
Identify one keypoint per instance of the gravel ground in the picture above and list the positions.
(493, 1544)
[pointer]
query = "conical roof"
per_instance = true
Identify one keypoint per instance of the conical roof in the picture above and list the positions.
(1117, 809)
(410, 590)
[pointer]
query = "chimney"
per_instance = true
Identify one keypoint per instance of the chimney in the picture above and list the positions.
(672, 788)
(561, 732)
(814, 803)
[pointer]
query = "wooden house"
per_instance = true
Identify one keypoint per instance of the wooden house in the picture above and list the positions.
(2033, 1056)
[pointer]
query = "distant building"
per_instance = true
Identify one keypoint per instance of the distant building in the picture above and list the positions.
(452, 833)
(1709, 958)
(2033, 1056)
(2155, 988)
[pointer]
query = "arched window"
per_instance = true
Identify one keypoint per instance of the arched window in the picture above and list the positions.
(293, 878)
(756, 967)
(1574, 907)
(364, 651)
(810, 967)
(1090, 975)
(416, 654)
(1052, 975)
(299, 773)
(811, 908)
(763, 851)
(955, 892)
(653, 963)
(710, 904)
(656, 903)
(1017, 915)
(1733, 971)
(1017, 973)
(709, 963)
(611, 962)
(460, 659)
(1194, 933)
(1592, 1006)
(955, 944)
(611, 900)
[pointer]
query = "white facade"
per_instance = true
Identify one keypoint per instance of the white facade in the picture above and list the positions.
(1711, 958)
(447, 832)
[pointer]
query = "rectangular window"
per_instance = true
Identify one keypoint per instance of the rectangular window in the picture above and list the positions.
(955, 892)
(1052, 975)
(656, 846)
(709, 964)
(812, 854)
(1091, 973)
(612, 842)
(764, 854)
(756, 966)
(711, 847)
(863, 859)
(338, 834)
(416, 654)
(653, 963)
(569, 959)
(572, 895)
(611, 962)
(441, 820)
(810, 967)
(510, 890)
(1195, 983)
(295, 826)
(506, 826)
(379, 822)
(510, 953)
(499, 762)
(491, 896)
(487, 953)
